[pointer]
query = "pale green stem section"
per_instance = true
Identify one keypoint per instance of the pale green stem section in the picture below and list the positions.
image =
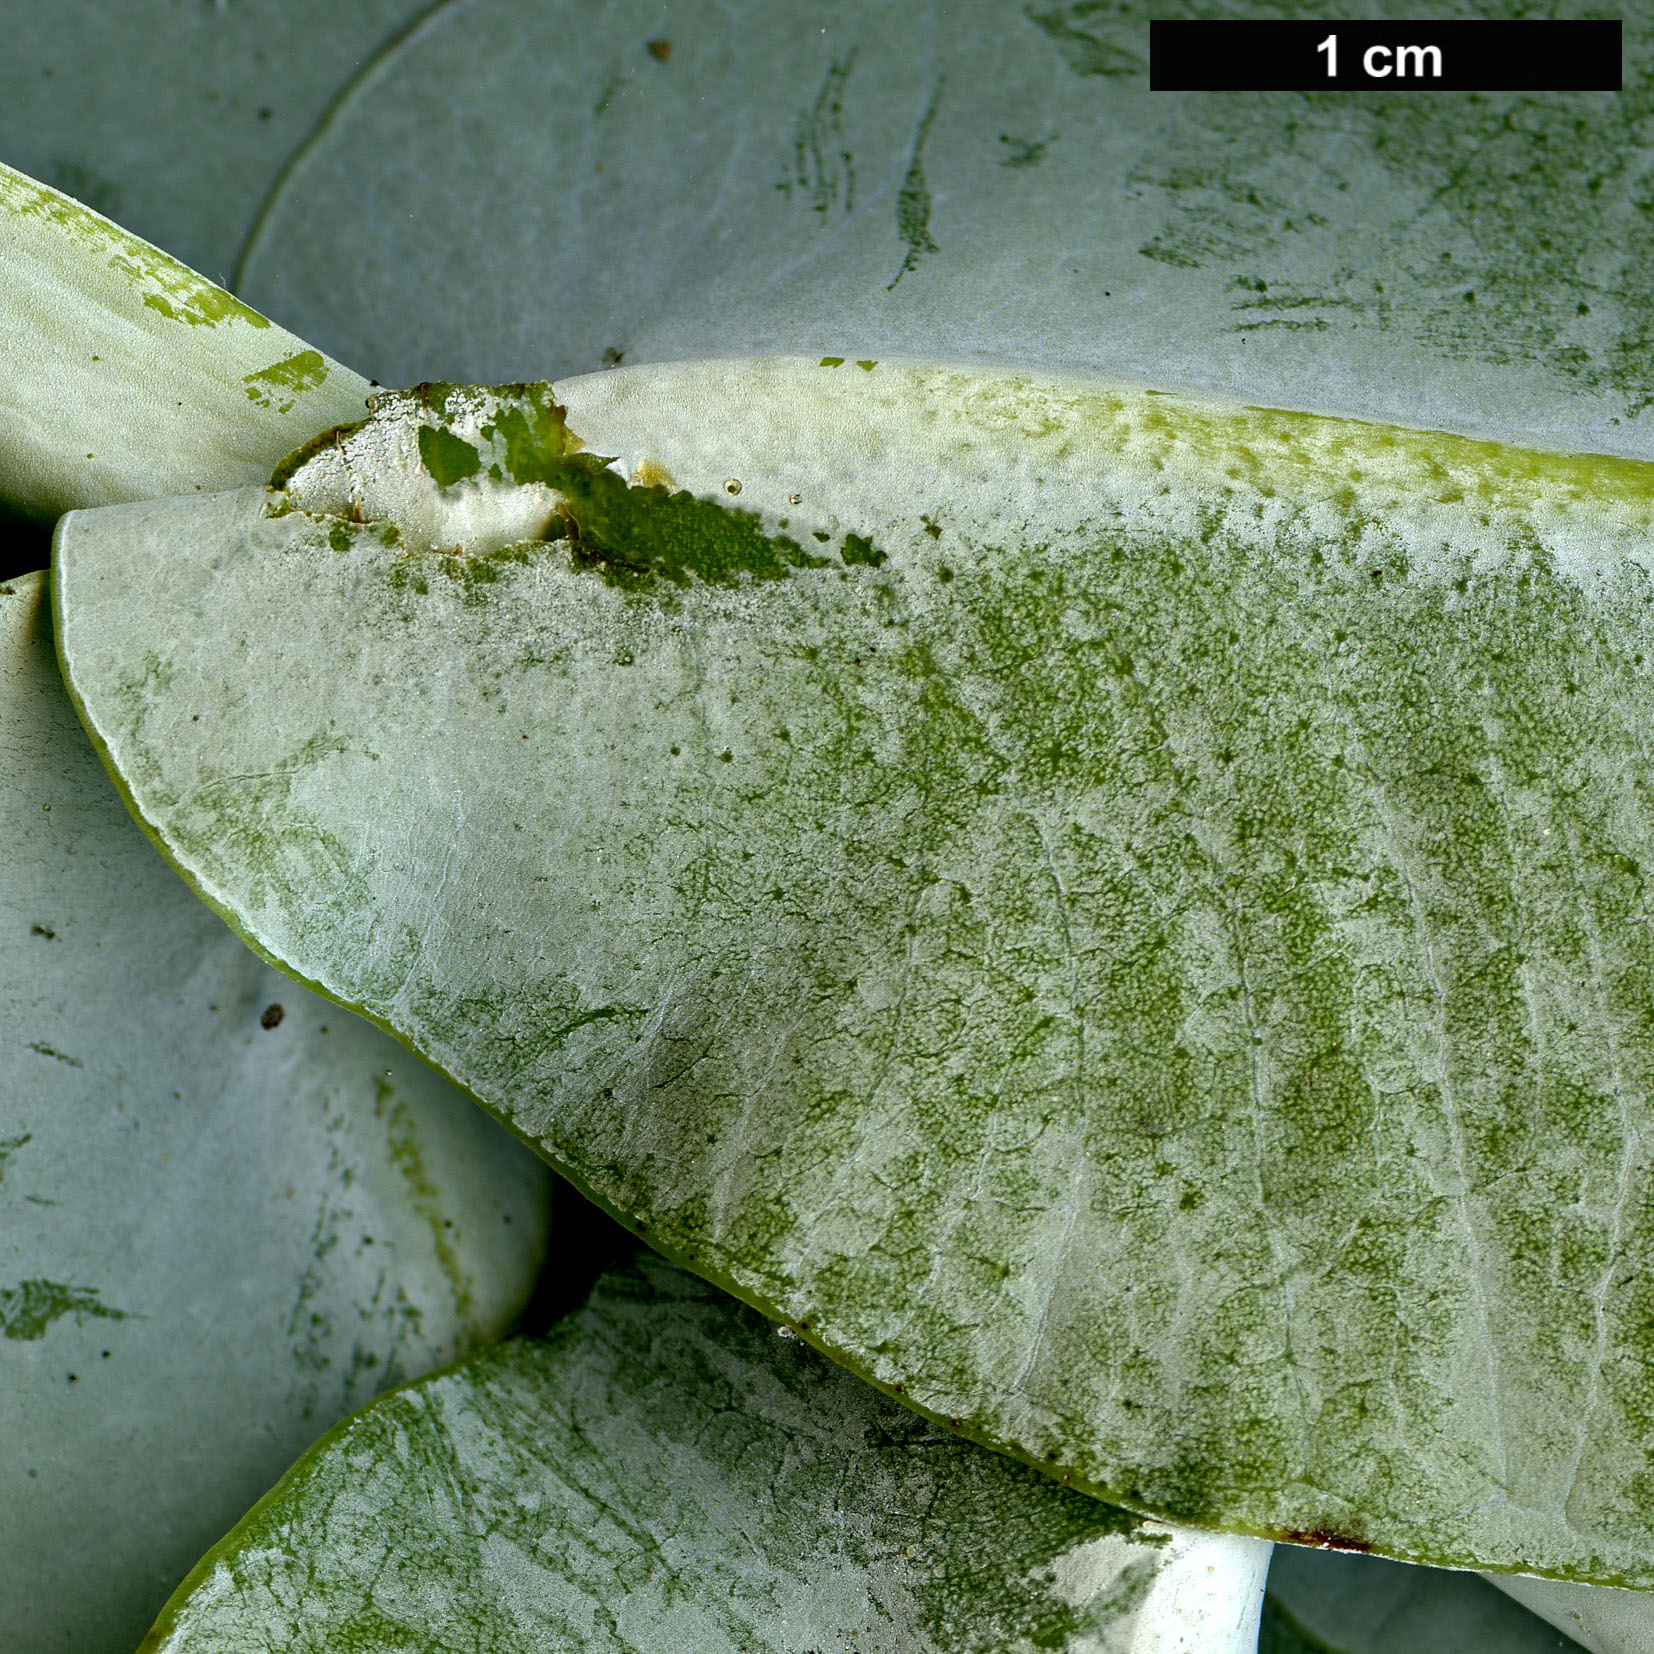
(130, 377)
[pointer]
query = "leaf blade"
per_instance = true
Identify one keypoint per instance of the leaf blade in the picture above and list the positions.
(135, 377)
(229, 1213)
(662, 1472)
(1074, 904)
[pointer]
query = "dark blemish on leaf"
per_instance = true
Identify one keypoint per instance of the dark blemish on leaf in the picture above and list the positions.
(859, 551)
(822, 169)
(9, 1146)
(613, 357)
(659, 50)
(1024, 151)
(272, 1017)
(30, 1307)
(45, 1050)
(1321, 1539)
(913, 199)
(43, 930)
(1168, 255)
(1085, 54)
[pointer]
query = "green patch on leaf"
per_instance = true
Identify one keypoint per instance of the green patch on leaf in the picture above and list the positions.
(30, 1307)
(279, 385)
(196, 306)
(448, 458)
(632, 533)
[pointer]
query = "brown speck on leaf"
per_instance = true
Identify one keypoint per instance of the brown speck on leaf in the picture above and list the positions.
(272, 1017)
(1324, 1541)
(43, 930)
(660, 50)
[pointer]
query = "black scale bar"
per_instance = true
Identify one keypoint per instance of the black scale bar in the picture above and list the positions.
(1413, 55)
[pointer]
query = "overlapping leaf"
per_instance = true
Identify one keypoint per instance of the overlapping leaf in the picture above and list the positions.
(1365, 1605)
(991, 180)
(229, 1212)
(131, 375)
(665, 1473)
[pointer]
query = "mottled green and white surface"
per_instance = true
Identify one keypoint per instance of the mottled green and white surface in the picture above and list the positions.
(216, 1238)
(1118, 915)
(129, 376)
(991, 179)
(666, 1472)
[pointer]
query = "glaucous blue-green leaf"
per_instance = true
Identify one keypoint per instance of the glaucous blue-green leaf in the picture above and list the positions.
(1321, 1603)
(176, 120)
(130, 376)
(665, 1473)
(1601, 1619)
(229, 1212)
(1121, 917)
(536, 189)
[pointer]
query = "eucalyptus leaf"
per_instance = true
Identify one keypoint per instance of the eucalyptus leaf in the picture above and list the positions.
(1120, 916)
(664, 1472)
(1328, 1604)
(990, 179)
(229, 1212)
(130, 376)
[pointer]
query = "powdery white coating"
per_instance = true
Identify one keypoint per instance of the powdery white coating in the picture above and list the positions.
(1051, 455)
(216, 1237)
(1198, 1592)
(664, 1473)
(129, 376)
(1134, 933)
(375, 473)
